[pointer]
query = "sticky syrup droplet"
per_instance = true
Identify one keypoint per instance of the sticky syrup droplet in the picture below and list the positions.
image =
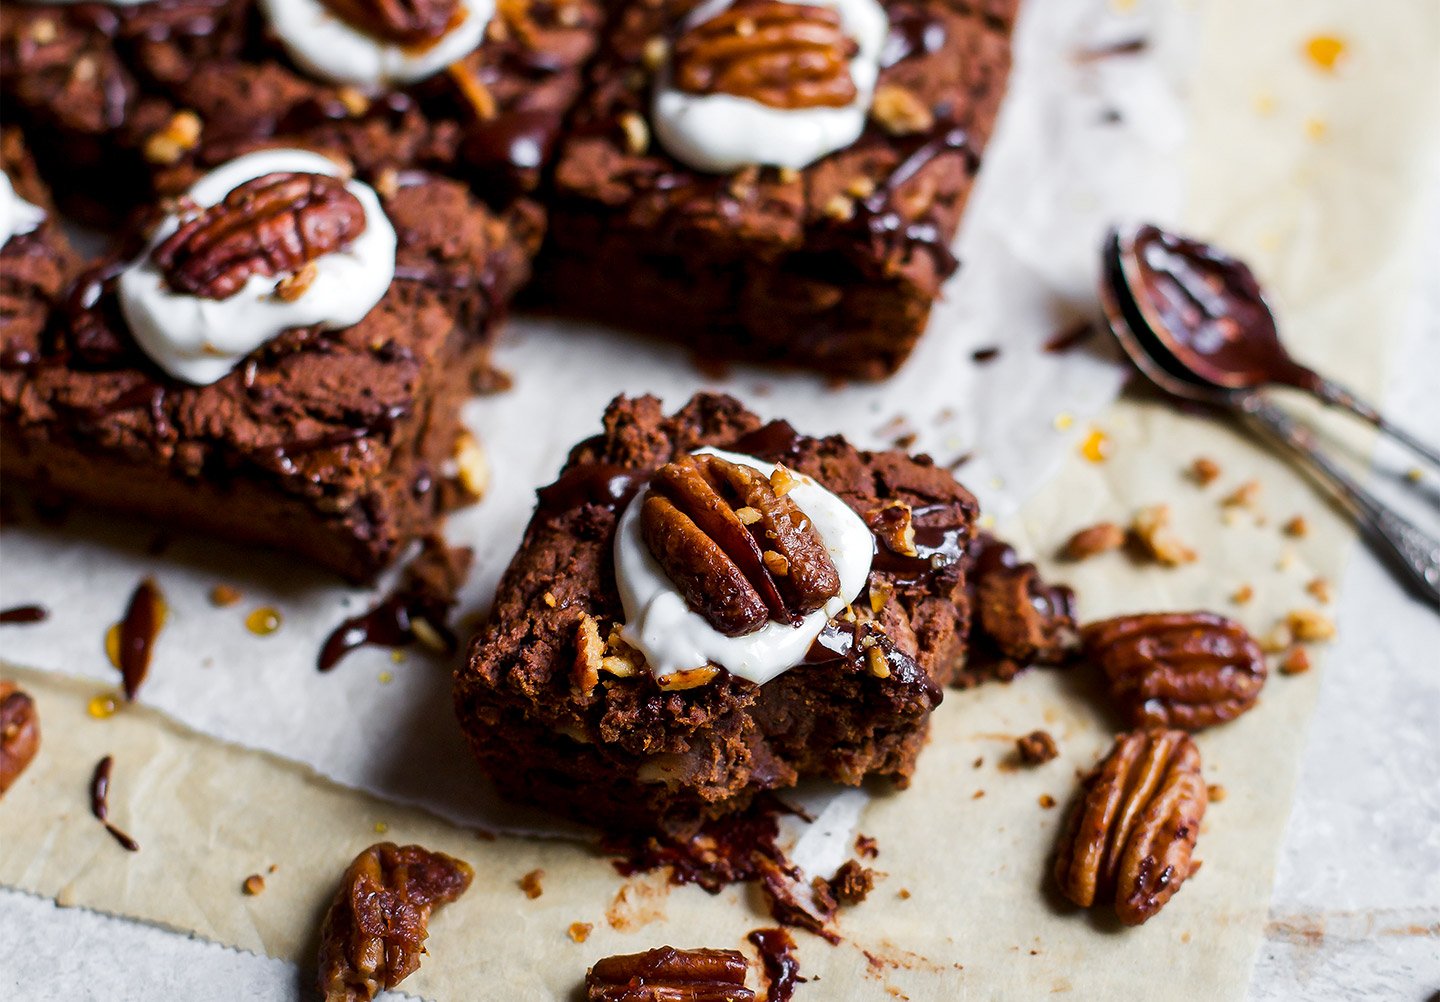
(1096, 446)
(102, 705)
(112, 645)
(381, 828)
(1063, 420)
(1325, 51)
(264, 621)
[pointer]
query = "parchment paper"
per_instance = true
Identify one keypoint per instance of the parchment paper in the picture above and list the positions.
(209, 814)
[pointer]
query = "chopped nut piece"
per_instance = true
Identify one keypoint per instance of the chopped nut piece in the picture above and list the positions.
(476, 94)
(656, 51)
(1189, 670)
(471, 465)
(1131, 837)
(852, 883)
(782, 481)
(375, 931)
(1096, 539)
(775, 563)
(690, 678)
(617, 666)
(1310, 625)
(1242, 595)
(900, 111)
(180, 135)
(1295, 662)
(580, 931)
(223, 595)
(549, 599)
(530, 884)
(670, 975)
(893, 524)
(637, 133)
(19, 733)
(1036, 748)
(1046, 801)
(1278, 639)
(1204, 470)
(1297, 527)
(1320, 589)
(43, 32)
(1247, 495)
(878, 664)
(839, 207)
(1215, 793)
(589, 652)
(1151, 528)
(354, 101)
(297, 283)
(747, 515)
(253, 885)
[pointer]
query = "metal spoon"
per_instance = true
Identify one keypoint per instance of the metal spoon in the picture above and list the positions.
(1409, 549)
(1209, 312)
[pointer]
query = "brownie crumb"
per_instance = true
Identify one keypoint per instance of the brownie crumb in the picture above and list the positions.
(866, 846)
(1036, 748)
(852, 883)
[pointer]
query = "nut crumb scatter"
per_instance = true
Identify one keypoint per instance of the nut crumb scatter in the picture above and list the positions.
(1047, 801)
(1247, 495)
(1096, 539)
(1296, 527)
(530, 884)
(1320, 590)
(579, 932)
(1295, 662)
(1037, 748)
(223, 595)
(1204, 470)
(1151, 528)
(1310, 625)
(1278, 639)
(1242, 595)
(1215, 792)
(253, 885)
(903, 894)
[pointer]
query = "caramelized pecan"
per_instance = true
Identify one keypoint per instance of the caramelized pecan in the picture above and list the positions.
(271, 225)
(374, 933)
(403, 22)
(786, 55)
(670, 975)
(738, 550)
(1130, 838)
(1178, 669)
(19, 733)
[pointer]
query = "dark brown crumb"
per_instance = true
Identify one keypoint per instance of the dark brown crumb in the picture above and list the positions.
(983, 355)
(1063, 341)
(866, 846)
(1036, 748)
(851, 883)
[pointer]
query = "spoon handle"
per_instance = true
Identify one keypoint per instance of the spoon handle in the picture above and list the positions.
(1409, 549)
(1336, 395)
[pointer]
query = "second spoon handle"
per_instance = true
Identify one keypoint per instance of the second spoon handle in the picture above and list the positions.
(1335, 394)
(1407, 547)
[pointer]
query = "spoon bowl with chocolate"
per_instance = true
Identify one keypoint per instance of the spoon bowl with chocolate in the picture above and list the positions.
(1185, 301)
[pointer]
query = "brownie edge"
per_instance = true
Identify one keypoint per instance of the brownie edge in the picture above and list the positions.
(628, 755)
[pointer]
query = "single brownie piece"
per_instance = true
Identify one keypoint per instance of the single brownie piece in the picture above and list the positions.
(37, 263)
(761, 209)
(596, 688)
(285, 367)
(117, 91)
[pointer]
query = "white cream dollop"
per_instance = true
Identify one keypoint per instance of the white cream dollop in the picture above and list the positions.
(720, 133)
(17, 216)
(323, 44)
(200, 340)
(661, 626)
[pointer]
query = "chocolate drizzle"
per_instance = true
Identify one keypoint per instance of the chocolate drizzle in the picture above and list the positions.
(915, 30)
(23, 614)
(774, 442)
(137, 632)
(605, 484)
(940, 542)
(777, 953)
(851, 643)
(100, 803)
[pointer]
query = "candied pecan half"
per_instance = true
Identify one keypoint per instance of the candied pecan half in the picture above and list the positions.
(410, 23)
(19, 733)
(1177, 669)
(270, 225)
(786, 55)
(739, 550)
(669, 975)
(1130, 838)
(375, 930)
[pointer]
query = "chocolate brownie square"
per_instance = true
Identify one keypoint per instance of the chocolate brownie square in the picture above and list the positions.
(601, 687)
(284, 368)
(118, 91)
(759, 208)
(37, 263)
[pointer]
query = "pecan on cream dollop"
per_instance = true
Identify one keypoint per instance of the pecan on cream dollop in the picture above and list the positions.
(274, 225)
(738, 550)
(785, 55)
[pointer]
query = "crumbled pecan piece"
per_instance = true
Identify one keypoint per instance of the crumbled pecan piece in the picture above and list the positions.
(1031, 622)
(785, 55)
(893, 524)
(1151, 529)
(403, 22)
(1310, 625)
(375, 932)
(1037, 748)
(271, 225)
(1096, 539)
(900, 111)
(1177, 669)
(852, 883)
(669, 975)
(1130, 838)
(1204, 470)
(19, 733)
(723, 566)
